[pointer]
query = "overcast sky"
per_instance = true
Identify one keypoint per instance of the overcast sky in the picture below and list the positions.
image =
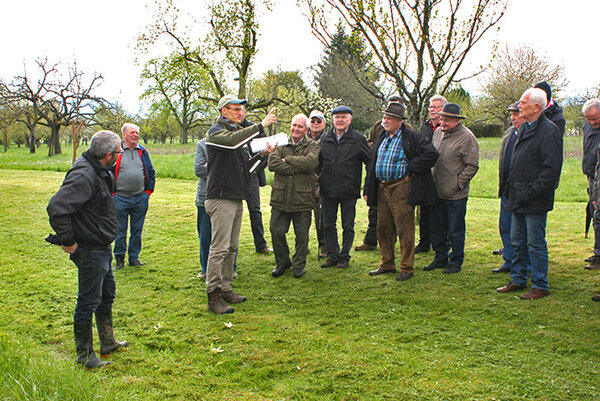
(101, 37)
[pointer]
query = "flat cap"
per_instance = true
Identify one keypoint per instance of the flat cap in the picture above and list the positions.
(513, 107)
(341, 110)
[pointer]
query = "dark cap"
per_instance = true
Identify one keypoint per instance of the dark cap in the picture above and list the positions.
(395, 109)
(543, 85)
(451, 110)
(341, 110)
(513, 107)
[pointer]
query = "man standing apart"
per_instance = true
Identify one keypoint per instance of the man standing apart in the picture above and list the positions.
(228, 183)
(457, 165)
(552, 110)
(436, 104)
(343, 152)
(506, 150)
(399, 155)
(591, 141)
(135, 178)
(316, 129)
(293, 196)
(83, 216)
(534, 173)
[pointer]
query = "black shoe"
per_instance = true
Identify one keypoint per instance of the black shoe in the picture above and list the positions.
(450, 269)
(299, 273)
(328, 263)
(119, 262)
(501, 269)
(436, 264)
(422, 248)
(499, 251)
(596, 298)
(279, 270)
(136, 262)
(343, 263)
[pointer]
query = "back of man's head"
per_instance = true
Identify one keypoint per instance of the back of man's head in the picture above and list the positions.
(104, 142)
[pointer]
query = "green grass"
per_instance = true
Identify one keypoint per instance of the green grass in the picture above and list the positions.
(332, 335)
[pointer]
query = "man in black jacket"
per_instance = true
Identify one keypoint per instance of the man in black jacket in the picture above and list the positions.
(534, 172)
(343, 152)
(591, 142)
(227, 184)
(83, 216)
(399, 155)
(552, 110)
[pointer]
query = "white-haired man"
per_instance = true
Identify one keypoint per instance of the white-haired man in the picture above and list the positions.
(534, 173)
(135, 179)
(591, 142)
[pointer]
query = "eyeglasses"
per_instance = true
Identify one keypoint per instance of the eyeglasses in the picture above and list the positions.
(316, 120)
(117, 151)
(235, 109)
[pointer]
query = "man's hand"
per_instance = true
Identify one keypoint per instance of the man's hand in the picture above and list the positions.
(271, 118)
(70, 249)
(270, 148)
(366, 198)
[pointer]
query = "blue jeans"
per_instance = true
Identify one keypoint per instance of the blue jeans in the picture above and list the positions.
(204, 227)
(528, 237)
(96, 283)
(504, 225)
(447, 230)
(133, 209)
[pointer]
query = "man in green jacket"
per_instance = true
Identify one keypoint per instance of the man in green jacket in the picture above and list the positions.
(293, 196)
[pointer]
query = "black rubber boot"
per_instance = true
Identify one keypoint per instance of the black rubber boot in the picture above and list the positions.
(84, 344)
(104, 325)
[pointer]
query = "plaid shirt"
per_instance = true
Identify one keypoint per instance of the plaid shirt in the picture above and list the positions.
(391, 161)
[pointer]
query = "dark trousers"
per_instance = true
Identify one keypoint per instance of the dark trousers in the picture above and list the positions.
(447, 230)
(424, 217)
(371, 234)
(253, 203)
(131, 210)
(348, 211)
(318, 211)
(96, 285)
(204, 235)
(279, 226)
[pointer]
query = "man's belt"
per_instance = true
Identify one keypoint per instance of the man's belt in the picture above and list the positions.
(390, 182)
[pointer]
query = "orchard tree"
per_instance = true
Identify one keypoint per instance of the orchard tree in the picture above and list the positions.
(419, 45)
(512, 72)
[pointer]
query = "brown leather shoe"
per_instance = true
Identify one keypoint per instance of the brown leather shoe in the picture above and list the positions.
(265, 250)
(328, 263)
(510, 287)
(535, 293)
(594, 263)
(588, 260)
(232, 298)
(365, 247)
(381, 270)
(343, 263)
(403, 276)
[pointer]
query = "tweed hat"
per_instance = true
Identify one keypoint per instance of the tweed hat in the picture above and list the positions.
(395, 109)
(230, 99)
(513, 107)
(451, 110)
(341, 110)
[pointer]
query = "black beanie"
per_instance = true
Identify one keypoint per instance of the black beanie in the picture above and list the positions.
(543, 85)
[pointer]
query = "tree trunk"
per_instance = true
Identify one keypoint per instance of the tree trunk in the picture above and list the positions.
(54, 147)
(32, 140)
(184, 135)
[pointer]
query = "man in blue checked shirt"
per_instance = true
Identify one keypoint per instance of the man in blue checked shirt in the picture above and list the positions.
(398, 178)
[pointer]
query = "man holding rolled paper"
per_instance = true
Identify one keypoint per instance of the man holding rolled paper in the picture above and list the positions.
(228, 183)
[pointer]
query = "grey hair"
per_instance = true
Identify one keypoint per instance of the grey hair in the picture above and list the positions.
(591, 103)
(129, 125)
(104, 142)
(537, 96)
(440, 98)
(299, 116)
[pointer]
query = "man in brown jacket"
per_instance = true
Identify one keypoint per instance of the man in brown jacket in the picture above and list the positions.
(457, 165)
(293, 196)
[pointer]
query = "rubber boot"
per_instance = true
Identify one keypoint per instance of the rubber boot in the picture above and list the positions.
(104, 325)
(84, 344)
(216, 303)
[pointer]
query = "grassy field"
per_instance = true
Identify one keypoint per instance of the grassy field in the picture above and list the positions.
(332, 335)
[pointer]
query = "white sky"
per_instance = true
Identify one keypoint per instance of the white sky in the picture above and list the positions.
(101, 36)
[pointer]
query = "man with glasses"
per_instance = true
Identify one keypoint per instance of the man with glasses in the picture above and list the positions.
(135, 179)
(316, 128)
(227, 184)
(436, 104)
(83, 216)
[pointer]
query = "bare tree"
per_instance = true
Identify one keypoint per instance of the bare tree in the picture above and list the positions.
(419, 45)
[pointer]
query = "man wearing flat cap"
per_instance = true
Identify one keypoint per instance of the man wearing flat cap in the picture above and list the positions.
(227, 184)
(343, 152)
(506, 149)
(457, 165)
(398, 178)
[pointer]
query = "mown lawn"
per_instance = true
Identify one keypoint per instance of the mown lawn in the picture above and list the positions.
(331, 335)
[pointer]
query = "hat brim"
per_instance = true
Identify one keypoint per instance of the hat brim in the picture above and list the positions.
(394, 115)
(441, 113)
(238, 101)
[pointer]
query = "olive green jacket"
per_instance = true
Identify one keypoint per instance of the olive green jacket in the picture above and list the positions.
(294, 184)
